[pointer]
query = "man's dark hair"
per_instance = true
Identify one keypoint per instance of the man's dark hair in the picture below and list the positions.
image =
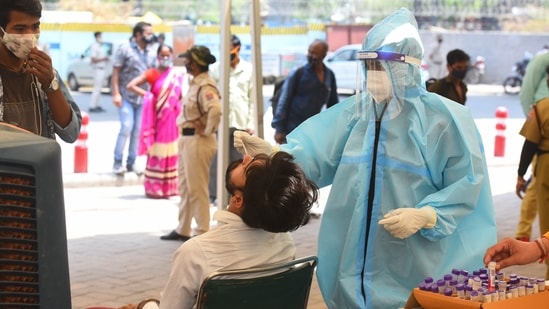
(235, 41)
(456, 55)
(96, 34)
(277, 195)
(29, 7)
(139, 27)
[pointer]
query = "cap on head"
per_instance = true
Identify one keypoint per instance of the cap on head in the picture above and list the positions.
(199, 54)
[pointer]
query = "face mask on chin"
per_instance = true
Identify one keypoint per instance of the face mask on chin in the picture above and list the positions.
(20, 44)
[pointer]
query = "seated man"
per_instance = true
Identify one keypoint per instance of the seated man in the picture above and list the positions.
(270, 197)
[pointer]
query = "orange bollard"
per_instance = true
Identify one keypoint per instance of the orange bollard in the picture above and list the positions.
(81, 147)
(499, 144)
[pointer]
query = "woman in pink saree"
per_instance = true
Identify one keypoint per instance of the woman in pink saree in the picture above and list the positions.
(158, 135)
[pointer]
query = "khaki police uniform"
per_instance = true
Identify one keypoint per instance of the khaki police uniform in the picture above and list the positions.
(197, 144)
(538, 133)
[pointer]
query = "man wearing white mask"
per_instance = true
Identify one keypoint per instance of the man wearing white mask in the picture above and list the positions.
(410, 194)
(32, 94)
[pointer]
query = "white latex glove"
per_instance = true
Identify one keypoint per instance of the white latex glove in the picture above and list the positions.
(252, 145)
(403, 222)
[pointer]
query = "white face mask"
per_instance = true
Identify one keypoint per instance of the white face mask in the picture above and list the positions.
(379, 85)
(20, 44)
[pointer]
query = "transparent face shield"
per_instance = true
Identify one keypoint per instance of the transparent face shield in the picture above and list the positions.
(381, 79)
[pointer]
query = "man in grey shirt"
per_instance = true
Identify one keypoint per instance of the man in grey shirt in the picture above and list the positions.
(131, 59)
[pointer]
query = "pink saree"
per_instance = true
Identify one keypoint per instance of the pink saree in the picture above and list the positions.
(159, 134)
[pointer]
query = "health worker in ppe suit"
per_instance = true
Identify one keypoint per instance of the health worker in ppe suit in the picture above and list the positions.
(410, 192)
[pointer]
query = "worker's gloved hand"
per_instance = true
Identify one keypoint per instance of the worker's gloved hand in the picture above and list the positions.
(403, 222)
(252, 145)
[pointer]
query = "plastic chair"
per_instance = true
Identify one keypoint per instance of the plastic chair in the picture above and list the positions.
(285, 285)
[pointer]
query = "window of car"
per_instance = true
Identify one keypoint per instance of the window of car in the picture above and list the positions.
(345, 55)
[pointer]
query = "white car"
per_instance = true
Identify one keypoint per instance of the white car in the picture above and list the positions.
(343, 63)
(80, 71)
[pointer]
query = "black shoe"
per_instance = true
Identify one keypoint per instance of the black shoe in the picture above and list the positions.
(174, 236)
(97, 109)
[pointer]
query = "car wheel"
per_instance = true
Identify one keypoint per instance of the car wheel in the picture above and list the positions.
(73, 83)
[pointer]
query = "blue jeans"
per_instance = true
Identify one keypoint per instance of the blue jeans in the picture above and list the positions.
(130, 123)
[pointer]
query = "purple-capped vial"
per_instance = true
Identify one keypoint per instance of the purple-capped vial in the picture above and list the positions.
(463, 276)
(502, 285)
(453, 284)
(421, 286)
(487, 297)
(447, 279)
(514, 291)
(434, 288)
(468, 290)
(501, 276)
(474, 296)
(529, 289)
(521, 290)
(460, 290)
(483, 271)
(476, 273)
(476, 283)
(448, 292)
(455, 274)
(483, 277)
(501, 295)
(541, 284)
(428, 280)
(513, 282)
(441, 285)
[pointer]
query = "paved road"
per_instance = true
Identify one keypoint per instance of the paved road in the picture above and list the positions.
(116, 257)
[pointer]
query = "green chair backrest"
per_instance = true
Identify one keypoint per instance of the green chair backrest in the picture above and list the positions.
(284, 285)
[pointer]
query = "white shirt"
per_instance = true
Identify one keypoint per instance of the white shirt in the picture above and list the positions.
(98, 53)
(241, 107)
(230, 245)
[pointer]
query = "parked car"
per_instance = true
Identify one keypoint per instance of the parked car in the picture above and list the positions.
(80, 70)
(343, 63)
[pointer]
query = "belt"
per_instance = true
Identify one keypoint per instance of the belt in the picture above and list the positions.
(187, 131)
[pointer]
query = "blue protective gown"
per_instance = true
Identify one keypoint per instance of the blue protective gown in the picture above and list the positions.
(429, 153)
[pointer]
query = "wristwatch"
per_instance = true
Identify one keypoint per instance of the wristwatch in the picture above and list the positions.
(54, 85)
